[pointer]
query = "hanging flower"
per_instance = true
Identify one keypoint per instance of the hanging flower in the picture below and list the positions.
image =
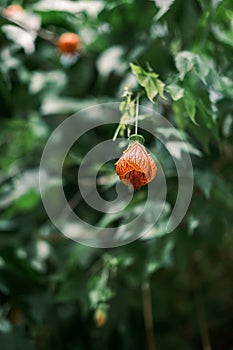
(136, 167)
(100, 317)
(69, 43)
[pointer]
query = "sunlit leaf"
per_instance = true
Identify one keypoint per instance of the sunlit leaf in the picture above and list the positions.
(176, 91)
(91, 7)
(184, 62)
(21, 37)
(111, 60)
(149, 81)
(187, 61)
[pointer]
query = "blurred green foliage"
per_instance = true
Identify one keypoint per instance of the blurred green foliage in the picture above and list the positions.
(50, 287)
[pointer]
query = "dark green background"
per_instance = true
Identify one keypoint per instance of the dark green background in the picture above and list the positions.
(50, 287)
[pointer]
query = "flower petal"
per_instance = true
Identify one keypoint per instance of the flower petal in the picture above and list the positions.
(136, 167)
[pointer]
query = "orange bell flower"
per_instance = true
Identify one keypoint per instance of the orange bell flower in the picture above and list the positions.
(69, 43)
(136, 167)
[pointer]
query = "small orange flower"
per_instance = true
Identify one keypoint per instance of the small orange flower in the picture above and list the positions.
(11, 10)
(136, 167)
(100, 317)
(69, 43)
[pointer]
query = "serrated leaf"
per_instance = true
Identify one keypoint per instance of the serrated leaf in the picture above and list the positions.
(150, 81)
(187, 61)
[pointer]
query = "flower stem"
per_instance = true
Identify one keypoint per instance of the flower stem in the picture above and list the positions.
(136, 116)
(117, 132)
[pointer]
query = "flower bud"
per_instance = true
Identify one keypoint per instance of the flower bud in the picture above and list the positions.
(100, 317)
(136, 167)
(69, 43)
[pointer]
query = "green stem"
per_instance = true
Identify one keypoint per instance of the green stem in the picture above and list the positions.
(148, 315)
(136, 117)
(116, 132)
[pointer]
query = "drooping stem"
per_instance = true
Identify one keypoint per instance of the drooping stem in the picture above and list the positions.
(136, 115)
(148, 315)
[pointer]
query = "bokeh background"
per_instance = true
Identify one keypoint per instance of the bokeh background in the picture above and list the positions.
(162, 292)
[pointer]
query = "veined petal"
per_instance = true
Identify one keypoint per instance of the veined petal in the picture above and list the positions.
(136, 167)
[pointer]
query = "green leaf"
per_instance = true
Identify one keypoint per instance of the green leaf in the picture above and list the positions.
(204, 181)
(26, 37)
(190, 107)
(225, 37)
(150, 81)
(100, 296)
(187, 61)
(202, 67)
(21, 37)
(175, 91)
(184, 62)
(28, 201)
